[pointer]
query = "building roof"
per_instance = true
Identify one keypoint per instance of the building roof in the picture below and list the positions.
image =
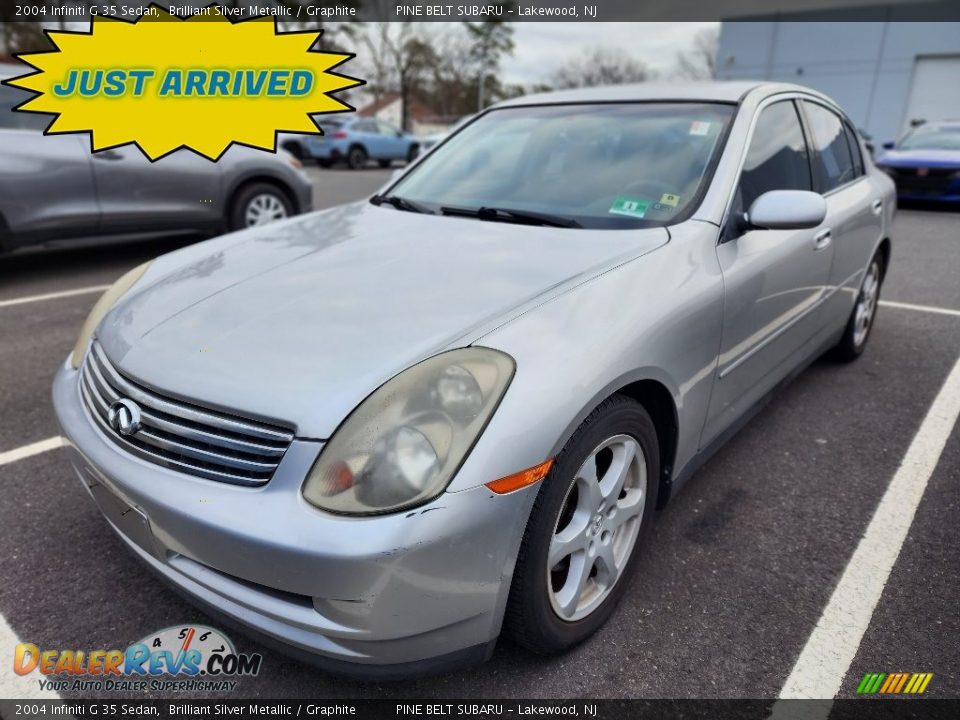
(416, 109)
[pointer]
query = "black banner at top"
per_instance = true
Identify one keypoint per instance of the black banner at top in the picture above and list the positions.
(322, 11)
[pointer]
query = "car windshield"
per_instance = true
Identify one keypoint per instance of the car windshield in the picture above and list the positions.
(932, 138)
(611, 165)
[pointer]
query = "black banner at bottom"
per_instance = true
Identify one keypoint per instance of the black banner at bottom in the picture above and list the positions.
(874, 709)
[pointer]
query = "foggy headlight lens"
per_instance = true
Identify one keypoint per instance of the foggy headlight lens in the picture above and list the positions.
(103, 306)
(404, 443)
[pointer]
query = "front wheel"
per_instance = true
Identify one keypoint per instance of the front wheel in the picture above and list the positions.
(861, 319)
(585, 529)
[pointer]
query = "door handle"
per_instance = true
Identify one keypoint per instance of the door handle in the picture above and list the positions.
(108, 155)
(877, 206)
(822, 239)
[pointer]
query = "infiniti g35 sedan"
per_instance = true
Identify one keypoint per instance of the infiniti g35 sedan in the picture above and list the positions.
(383, 434)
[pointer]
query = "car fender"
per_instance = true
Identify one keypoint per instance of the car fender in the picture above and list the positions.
(657, 317)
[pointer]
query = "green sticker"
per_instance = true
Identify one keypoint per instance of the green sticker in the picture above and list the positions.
(633, 207)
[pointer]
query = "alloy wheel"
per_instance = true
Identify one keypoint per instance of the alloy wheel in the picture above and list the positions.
(597, 528)
(866, 304)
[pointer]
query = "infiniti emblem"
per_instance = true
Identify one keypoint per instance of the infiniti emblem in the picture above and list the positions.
(124, 417)
(597, 523)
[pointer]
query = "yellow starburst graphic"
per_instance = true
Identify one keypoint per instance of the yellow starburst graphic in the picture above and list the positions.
(201, 83)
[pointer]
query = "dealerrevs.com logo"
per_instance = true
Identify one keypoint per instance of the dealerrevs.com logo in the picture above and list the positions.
(177, 659)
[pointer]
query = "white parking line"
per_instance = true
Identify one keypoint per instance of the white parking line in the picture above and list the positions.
(920, 308)
(53, 295)
(26, 451)
(831, 647)
(19, 687)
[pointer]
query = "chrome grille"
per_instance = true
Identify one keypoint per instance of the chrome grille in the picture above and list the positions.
(181, 436)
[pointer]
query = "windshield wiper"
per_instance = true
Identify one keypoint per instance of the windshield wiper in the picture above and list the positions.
(401, 203)
(525, 217)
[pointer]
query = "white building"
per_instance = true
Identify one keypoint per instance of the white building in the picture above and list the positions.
(903, 64)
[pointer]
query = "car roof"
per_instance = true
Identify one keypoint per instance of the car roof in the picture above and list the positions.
(707, 91)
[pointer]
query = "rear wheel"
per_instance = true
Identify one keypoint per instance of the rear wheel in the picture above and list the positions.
(860, 324)
(259, 204)
(585, 529)
(412, 153)
(357, 157)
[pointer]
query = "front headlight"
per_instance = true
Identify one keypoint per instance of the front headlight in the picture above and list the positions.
(103, 306)
(404, 443)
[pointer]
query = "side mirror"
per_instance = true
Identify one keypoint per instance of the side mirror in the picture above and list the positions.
(399, 133)
(787, 210)
(889, 145)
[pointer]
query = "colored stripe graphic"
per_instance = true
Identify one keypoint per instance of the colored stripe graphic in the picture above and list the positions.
(894, 683)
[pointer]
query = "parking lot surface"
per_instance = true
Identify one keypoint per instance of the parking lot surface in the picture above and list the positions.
(739, 568)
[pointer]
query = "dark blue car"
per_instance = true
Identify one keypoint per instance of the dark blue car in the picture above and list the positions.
(925, 164)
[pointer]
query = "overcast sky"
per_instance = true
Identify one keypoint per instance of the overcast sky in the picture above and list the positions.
(542, 47)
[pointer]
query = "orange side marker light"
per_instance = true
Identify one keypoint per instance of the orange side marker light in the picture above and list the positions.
(521, 479)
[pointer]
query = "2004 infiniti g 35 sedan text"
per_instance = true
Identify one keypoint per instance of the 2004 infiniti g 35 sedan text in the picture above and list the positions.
(383, 433)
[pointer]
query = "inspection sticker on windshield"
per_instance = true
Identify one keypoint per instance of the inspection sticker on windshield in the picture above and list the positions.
(633, 207)
(699, 127)
(668, 199)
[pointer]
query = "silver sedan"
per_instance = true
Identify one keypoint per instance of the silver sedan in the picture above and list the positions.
(383, 434)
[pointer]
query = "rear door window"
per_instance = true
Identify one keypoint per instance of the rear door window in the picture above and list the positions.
(832, 160)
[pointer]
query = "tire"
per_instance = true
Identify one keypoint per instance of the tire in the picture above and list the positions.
(545, 612)
(384, 163)
(857, 332)
(412, 153)
(357, 158)
(259, 198)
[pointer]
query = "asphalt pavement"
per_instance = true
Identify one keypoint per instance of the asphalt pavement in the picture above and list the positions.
(738, 570)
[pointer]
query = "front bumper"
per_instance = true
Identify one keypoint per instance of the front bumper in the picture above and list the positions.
(369, 595)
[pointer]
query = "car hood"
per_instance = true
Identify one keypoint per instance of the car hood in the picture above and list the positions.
(296, 323)
(924, 158)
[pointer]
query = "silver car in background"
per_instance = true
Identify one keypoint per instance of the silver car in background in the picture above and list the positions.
(55, 189)
(382, 434)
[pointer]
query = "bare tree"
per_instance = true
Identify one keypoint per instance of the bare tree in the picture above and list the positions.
(700, 61)
(399, 54)
(600, 66)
